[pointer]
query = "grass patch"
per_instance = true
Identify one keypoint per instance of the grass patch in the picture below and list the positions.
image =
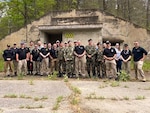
(126, 98)
(75, 90)
(57, 104)
(53, 76)
(33, 107)
(10, 96)
(114, 99)
(114, 84)
(20, 76)
(36, 99)
(44, 98)
(102, 86)
(140, 97)
(75, 100)
(93, 96)
(123, 76)
(66, 78)
(31, 82)
(126, 86)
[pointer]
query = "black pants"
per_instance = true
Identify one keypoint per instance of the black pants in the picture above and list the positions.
(30, 66)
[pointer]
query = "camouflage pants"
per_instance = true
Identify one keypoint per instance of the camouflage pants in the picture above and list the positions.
(101, 69)
(90, 63)
(69, 66)
(61, 66)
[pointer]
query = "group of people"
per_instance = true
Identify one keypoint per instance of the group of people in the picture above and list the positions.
(101, 59)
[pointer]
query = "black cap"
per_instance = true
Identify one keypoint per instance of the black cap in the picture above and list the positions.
(15, 44)
(125, 45)
(89, 40)
(107, 42)
(8, 45)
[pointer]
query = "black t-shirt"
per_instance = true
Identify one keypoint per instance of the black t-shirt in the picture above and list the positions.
(14, 53)
(79, 50)
(109, 52)
(138, 53)
(22, 52)
(126, 53)
(36, 54)
(8, 54)
(44, 51)
(54, 53)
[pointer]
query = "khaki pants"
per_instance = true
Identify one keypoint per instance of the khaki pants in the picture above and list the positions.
(45, 66)
(8, 64)
(111, 65)
(79, 66)
(138, 68)
(22, 67)
(36, 67)
(54, 65)
(15, 64)
(126, 67)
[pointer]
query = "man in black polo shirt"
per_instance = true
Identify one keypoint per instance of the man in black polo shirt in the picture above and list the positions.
(79, 52)
(8, 55)
(44, 52)
(22, 57)
(139, 55)
(15, 63)
(109, 56)
(53, 57)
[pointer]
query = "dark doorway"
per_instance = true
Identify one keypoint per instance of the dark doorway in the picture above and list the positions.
(53, 37)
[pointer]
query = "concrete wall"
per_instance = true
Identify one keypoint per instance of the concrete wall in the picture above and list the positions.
(112, 27)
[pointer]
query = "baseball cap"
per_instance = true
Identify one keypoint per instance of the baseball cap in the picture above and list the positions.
(8, 45)
(107, 42)
(90, 40)
(125, 45)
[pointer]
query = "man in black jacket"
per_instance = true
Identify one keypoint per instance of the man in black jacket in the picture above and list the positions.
(7, 55)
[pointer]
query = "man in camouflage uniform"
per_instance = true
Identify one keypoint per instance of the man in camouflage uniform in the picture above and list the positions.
(90, 57)
(61, 59)
(69, 57)
(100, 64)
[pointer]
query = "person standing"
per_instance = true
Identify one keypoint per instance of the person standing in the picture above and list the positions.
(100, 63)
(36, 60)
(15, 63)
(61, 59)
(29, 63)
(8, 56)
(44, 52)
(79, 52)
(109, 56)
(22, 57)
(90, 58)
(126, 55)
(118, 57)
(68, 55)
(139, 55)
(53, 57)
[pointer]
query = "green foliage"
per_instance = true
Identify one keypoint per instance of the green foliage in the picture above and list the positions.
(53, 76)
(10, 96)
(115, 84)
(65, 78)
(123, 76)
(140, 97)
(57, 104)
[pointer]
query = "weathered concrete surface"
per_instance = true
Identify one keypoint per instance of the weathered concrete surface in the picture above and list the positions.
(49, 89)
(105, 98)
(114, 97)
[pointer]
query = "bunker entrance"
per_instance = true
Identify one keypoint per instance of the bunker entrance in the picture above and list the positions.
(53, 37)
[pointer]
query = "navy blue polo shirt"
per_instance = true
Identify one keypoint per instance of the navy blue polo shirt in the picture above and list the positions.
(79, 50)
(138, 53)
(109, 52)
(22, 52)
